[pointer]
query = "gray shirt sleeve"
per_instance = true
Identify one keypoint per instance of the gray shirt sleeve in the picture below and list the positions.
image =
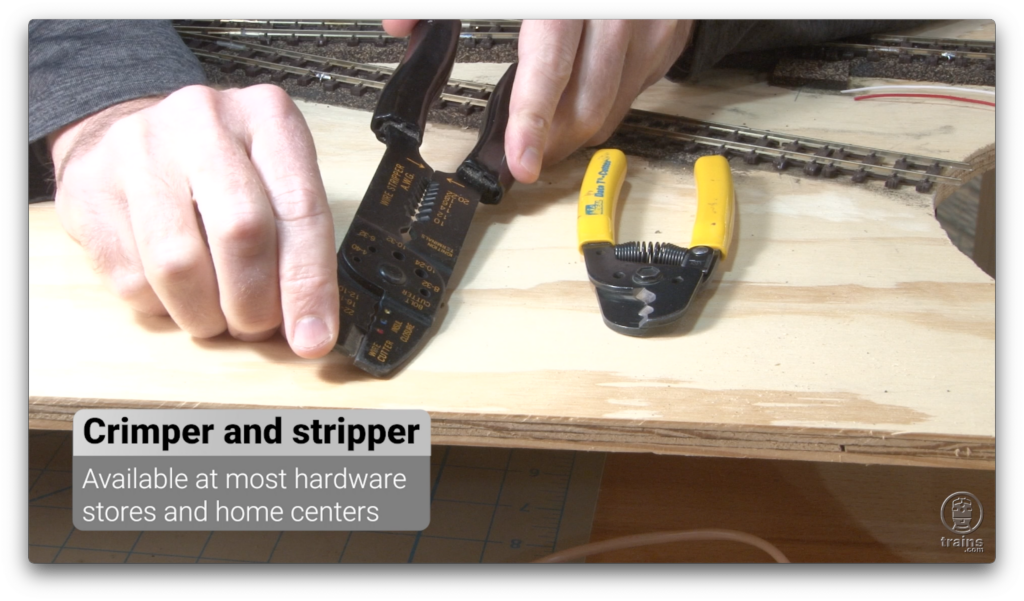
(76, 68)
(713, 40)
(79, 67)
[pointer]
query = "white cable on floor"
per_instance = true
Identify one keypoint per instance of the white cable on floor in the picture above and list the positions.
(657, 538)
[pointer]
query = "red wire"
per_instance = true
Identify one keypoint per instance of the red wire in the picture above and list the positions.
(985, 102)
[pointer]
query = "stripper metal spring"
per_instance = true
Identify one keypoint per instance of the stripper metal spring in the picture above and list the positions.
(657, 253)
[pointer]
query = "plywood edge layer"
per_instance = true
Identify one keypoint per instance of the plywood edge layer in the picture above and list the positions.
(829, 446)
(981, 161)
(728, 453)
(45, 423)
(712, 440)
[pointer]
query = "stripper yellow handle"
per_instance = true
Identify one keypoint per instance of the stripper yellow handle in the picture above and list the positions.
(715, 203)
(598, 195)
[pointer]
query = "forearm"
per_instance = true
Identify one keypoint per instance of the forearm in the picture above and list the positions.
(80, 67)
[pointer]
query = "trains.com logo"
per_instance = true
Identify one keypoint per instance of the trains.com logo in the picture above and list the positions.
(961, 513)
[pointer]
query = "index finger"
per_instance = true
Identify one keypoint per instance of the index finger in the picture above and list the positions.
(283, 153)
(547, 53)
(399, 28)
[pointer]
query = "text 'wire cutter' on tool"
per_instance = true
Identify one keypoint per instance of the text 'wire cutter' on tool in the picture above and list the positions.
(398, 255)
(640, 285)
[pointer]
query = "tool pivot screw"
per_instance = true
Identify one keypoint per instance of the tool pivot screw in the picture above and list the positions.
(647, 275)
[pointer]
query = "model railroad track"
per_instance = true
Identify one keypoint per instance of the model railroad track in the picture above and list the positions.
(485, 34)
(478, 33)
(812, 157)
(907, 49)
(333, 74)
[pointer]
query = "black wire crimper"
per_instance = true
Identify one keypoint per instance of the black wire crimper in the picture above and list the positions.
(398, 255)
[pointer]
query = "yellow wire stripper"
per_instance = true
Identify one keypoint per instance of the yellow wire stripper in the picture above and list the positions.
(642, 286)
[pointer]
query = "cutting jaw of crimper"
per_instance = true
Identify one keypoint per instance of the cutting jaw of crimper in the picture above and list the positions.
(641, 286)
(405, 239)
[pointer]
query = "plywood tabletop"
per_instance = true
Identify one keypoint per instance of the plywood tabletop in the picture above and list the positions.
(844, 325)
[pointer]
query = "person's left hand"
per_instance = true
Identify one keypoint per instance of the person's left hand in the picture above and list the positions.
(207, 206)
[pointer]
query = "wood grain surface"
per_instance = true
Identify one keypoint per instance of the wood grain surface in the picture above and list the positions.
(844, 326)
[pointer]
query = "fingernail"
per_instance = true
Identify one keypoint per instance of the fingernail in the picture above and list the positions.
(531, 160)
(310, 333)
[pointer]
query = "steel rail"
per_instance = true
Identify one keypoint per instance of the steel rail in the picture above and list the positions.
(949, 54)
(890, 40)
(732, 130)
(814, 164)
(379, 73)
(359, 84)
(276, 53)
(315, 33)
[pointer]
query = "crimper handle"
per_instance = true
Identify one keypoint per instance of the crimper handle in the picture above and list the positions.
(486, 167)
(418, 80)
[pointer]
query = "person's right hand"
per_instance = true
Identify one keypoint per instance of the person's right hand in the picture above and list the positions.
(576, 82)
(207, 206)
